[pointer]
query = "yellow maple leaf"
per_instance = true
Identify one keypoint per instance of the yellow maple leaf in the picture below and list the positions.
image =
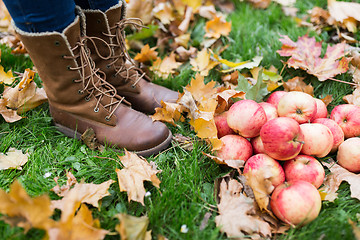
(6, 77)
(202, 63)
(131, 178)
(199, 90)
(164, 12)
(147, 54)
(217, 27)
(163, 68)
(168, 112)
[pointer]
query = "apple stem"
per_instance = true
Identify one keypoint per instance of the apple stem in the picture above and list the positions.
(299, 141)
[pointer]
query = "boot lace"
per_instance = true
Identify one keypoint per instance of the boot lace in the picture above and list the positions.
(92, 81)
(132, 71)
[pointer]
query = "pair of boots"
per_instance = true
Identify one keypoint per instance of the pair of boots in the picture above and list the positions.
(85, 69)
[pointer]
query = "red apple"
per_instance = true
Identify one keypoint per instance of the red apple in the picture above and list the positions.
(321, 110)
(282, 138)
(296, 202)
(246, 117)
(348, 155)
(348, 118)
(270, 110)
(274, 97)
(222, 126)
(335, 129)
(297, 105)
(261, 163)
(306, 168)
(257, 144)
(318, 139)
(234, 147)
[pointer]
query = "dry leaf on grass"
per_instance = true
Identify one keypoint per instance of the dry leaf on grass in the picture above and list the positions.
(147, 54)
(164, 12)
(8, 114)
(336, 177)
(217, 27)
(305, 54)
(64, 189)
(168, 112)
(184, 142)
(13, 159)
(297, 84)
(203, 63)
(262, 4)
(346, 13)
(233, 163)
(237, 215)
(131, 178)
(6, 77)
(140, 9)
(133, 228)
(163, 68)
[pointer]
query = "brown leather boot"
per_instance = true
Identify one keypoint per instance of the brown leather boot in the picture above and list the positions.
(80, 99)
(130, 81)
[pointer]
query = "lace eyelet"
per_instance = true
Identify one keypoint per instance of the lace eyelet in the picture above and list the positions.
(68, 67)
(57, 43)
(80, 92)
(74, 80)
(63, 56)
(96, 110)
(107, 118)
(133, 86)
(88, 98)
(108, 66)
(114, 76)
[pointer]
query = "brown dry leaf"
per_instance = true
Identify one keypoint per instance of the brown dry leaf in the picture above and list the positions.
(237, 215)
(146, 55)
(262, 187)
(237, 164)
(224, 99)
(163, 68)
(263, 4)
(321, 17)
(327, 99)
(168, 112)
(305, 54)
(356, 229)
(346, 13)
(133, 228)
(336, 177)
(81, 193)
(23, 211)
(13, 159)
(203, 63)
(164, 12)
(297, 84)
(89, 139)
(131, 178)
(9, 115)
(353, 98)
(184, 54)
(6, 77)
(64, 189)
(194, 4)
(208, 11)
(185, 142)
(140, 9)
(79, 225)
(217, 27)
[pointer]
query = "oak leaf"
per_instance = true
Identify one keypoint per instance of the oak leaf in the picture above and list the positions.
(163, 68)
(297, 84)
(217, 27)
(237, 215)
(133, 228)
(333, 180)
(305, 54)
(203, 63)
(147, 54)
(168, 112)
(13, 159)
(131, 178)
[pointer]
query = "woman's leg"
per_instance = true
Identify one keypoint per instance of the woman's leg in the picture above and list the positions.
(102, 5)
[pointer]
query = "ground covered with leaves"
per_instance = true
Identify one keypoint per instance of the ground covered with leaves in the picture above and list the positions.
(214, 54)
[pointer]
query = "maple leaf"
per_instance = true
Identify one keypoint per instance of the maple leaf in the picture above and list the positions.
(133, 228)
(217, 27)
(140, 9)
(131, 178)
(305, 54)
(164, 12)
(297, 84)
(202, 63)
(6, 77)
(163, 68)
(13, 159)
(237, 216)
(345, 12)
(336, 177)
(147, 54)
(199, 90)
(168, 112)
(23, 211)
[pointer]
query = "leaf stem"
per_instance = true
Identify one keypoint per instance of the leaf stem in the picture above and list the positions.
(341, 81)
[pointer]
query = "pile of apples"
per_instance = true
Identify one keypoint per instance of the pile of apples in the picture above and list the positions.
(285, 135)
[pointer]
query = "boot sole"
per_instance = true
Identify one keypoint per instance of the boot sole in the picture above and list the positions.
(144, 153)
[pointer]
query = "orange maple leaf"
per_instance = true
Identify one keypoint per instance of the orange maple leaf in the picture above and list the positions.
(147, 54)
(217, 27)
(305, 54)
(168, 112)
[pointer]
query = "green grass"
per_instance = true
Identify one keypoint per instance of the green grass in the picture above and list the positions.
(186, 192)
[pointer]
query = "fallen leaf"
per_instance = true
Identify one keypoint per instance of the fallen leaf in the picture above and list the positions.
(208, 11)
(235, 163)
(353, 98)
(184, 142)
(203, 63)
(286, 3)
(263, 4)
(168, 112)
(194, 4)
(140, 9)
(217, 27)
(63, 190)
(147, 54)
(184, 54)
(23, 211)
(131, 178)
(345, 12)
(182, 40)
(327, 99)
(133, 228)
(230, 66)
(237, 216)
(6, 77)
(305, 54)
(336, 177)
(297, 84)
(89, 139)
(13, 159)
(163, 68)
(9, 115)
(184, 25)
(199, 90)
(164, 12)
(355, 228)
